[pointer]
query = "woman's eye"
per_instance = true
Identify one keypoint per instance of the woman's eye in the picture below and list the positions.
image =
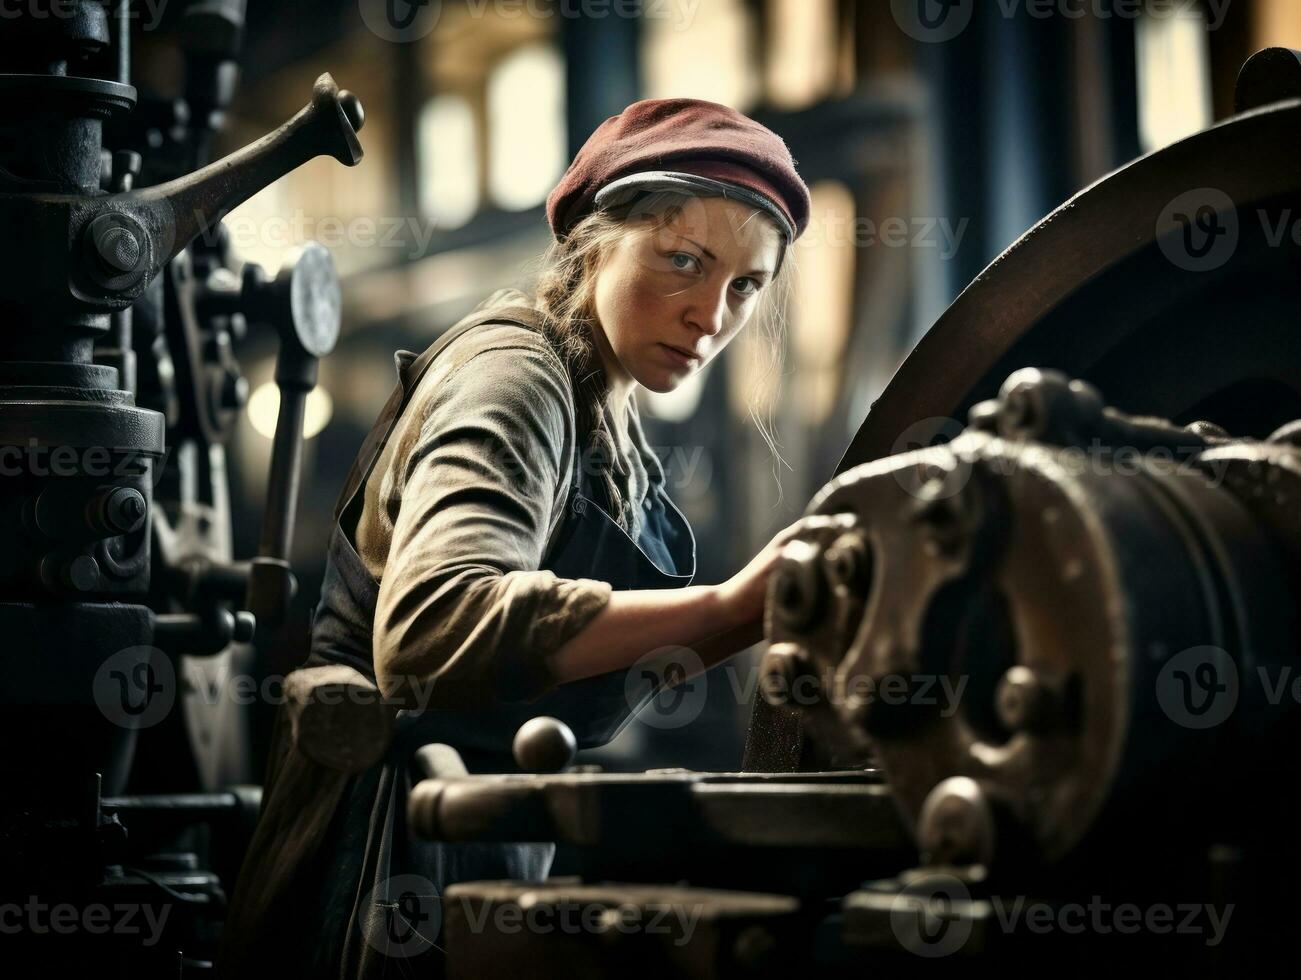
(754, 285)
(691, 261)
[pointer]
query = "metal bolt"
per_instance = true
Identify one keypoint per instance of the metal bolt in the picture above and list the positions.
(782, 665)
(115, 250)
(798, 584)
(847, 562)
(983, 416)
(81, 574)
(956, 825)
(125, 510)
(1048, 406)
(1026, 702)
(117, 247)
(1019, 413)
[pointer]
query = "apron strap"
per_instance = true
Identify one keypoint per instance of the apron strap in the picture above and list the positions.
(411, 369)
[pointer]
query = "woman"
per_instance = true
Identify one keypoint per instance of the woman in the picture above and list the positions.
(505, 545)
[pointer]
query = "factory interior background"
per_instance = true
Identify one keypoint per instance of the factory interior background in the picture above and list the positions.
(926, 157)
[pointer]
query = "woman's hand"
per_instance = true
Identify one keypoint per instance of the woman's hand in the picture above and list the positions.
(714, 620)
(741, 597)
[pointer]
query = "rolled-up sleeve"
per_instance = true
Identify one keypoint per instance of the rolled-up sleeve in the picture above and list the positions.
(464, 616)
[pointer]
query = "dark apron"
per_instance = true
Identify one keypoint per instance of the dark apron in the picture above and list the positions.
(368, 844)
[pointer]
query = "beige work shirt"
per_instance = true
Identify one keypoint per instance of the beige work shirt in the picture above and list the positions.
(457, 514)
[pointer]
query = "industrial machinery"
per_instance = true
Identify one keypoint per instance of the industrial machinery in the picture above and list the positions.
(122, 820)
(1029, 690)
(1028, 698)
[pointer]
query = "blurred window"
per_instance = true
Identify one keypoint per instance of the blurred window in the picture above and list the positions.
(447, 143)
(708, 52)
(1174, 76)
(526, 126)
(803, 53)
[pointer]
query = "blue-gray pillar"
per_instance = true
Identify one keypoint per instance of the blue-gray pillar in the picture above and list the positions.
(602, 67)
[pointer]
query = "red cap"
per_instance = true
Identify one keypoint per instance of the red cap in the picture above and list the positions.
(694, 141)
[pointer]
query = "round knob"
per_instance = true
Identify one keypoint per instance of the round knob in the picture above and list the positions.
(544, 744)
(245, 627)
(352, 110)
(303, 302)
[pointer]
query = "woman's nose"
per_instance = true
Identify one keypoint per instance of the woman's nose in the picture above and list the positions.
(708, 311)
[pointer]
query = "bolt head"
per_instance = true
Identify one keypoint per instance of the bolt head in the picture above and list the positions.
(1025, 701)
(956, 825)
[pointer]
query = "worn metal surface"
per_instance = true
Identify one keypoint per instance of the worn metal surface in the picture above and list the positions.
(124, 612)
(1061, 589)
(1107, 289)
(1090, 291)
(568, 929)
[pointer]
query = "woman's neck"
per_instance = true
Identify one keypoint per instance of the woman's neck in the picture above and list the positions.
(618, 384)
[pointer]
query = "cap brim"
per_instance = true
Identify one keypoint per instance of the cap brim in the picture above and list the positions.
(629, 188)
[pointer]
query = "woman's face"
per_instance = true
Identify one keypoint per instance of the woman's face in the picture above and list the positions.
(670, 298)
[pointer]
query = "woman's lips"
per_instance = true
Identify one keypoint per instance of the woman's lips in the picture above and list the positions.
(680, 358)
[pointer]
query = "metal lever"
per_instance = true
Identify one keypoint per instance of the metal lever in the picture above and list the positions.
(129, 237)
(304, 305)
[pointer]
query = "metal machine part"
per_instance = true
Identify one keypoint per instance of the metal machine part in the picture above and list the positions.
(1061, 637)
(119, 594)
(1084, 581)
(1053, 641)
(805, 834)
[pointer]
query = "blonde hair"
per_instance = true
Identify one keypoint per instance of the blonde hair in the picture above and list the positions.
(565, 293)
